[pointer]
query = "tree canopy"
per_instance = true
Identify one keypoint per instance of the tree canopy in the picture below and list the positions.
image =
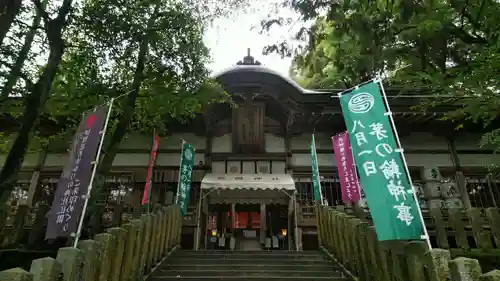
(61, 58)
(447, 47)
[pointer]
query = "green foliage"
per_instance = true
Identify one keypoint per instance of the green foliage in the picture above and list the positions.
(101, 64)
(448, 47)
(148, 54)
(100, 60)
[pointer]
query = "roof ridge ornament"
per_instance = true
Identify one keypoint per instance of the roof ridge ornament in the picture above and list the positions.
(248, 60)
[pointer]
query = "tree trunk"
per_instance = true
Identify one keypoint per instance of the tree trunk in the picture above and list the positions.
(106, 162)
(8, 12)
(15, 72)
(34, 102)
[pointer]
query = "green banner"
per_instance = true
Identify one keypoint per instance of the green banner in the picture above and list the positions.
(380, 167)
(315, 173)
(185, 175)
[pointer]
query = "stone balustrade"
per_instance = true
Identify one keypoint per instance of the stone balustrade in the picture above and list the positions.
(353, 243)
(126, 253)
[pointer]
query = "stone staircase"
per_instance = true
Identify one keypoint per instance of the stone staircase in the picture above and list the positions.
(247, 265)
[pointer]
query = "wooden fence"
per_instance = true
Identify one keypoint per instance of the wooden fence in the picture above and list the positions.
(129, 252)
(353, 243)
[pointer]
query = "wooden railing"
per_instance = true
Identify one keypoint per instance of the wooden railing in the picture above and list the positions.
(353, 243)
(129, 252)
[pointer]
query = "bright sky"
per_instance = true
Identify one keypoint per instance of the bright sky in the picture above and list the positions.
(229, 38)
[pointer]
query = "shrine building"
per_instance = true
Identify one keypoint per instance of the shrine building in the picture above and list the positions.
(253, 163)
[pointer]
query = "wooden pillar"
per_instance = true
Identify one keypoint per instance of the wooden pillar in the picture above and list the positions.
(263, 224)
(208, 151)
(289, 226)
(35, 178)
(233, 222)
(460, 178)
(490, 190)
(288, 153)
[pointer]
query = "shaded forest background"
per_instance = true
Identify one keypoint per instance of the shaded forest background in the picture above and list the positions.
(447, 48)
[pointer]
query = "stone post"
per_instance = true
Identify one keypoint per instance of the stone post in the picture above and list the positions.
(335, 233)
(431, 188)
(119, 235)
(71, 260)
(106, 248)
(163, 233)
(348, 251)
(355, 246)
(45, 269)
(168, 226)
(379, 256)
(415, 260)
(145, 243)
(158, 250)
(16, 274)
(153, 245)
(173, 226)
(319, 224)
(329, 229)
(340, 233)
(395, 254)
(128, 255)
(152, 241)
(18, 224)
(464, 269)
(490, 276)
(136, 269)
(364, 271)
(437, 263)
(90, 257)
(178, 225)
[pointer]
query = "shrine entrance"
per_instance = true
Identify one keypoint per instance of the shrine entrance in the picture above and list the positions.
(246, 227)
(247, 212)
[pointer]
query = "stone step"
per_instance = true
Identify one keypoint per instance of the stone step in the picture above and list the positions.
(257, 255)
(254, 278)
(248, 254)
(253, 266)
(248, 266)
(258, 252)
(249, 273)
(238, 261)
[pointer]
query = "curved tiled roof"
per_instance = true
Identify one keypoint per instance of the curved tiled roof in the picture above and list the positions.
(254, 73)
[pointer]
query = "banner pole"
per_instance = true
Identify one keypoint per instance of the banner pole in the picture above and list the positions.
(94, 171)
(405, 164)
(179, 177)
(198, 218)
(296, 221)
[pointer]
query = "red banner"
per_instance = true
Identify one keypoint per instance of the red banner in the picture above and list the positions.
(152, 160)
(347, 173)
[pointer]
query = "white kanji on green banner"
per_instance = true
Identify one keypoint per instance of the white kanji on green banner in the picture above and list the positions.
(379, 163)
(315, 173)
(185, 175)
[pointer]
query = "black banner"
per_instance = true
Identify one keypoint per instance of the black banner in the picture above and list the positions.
(73, 185)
